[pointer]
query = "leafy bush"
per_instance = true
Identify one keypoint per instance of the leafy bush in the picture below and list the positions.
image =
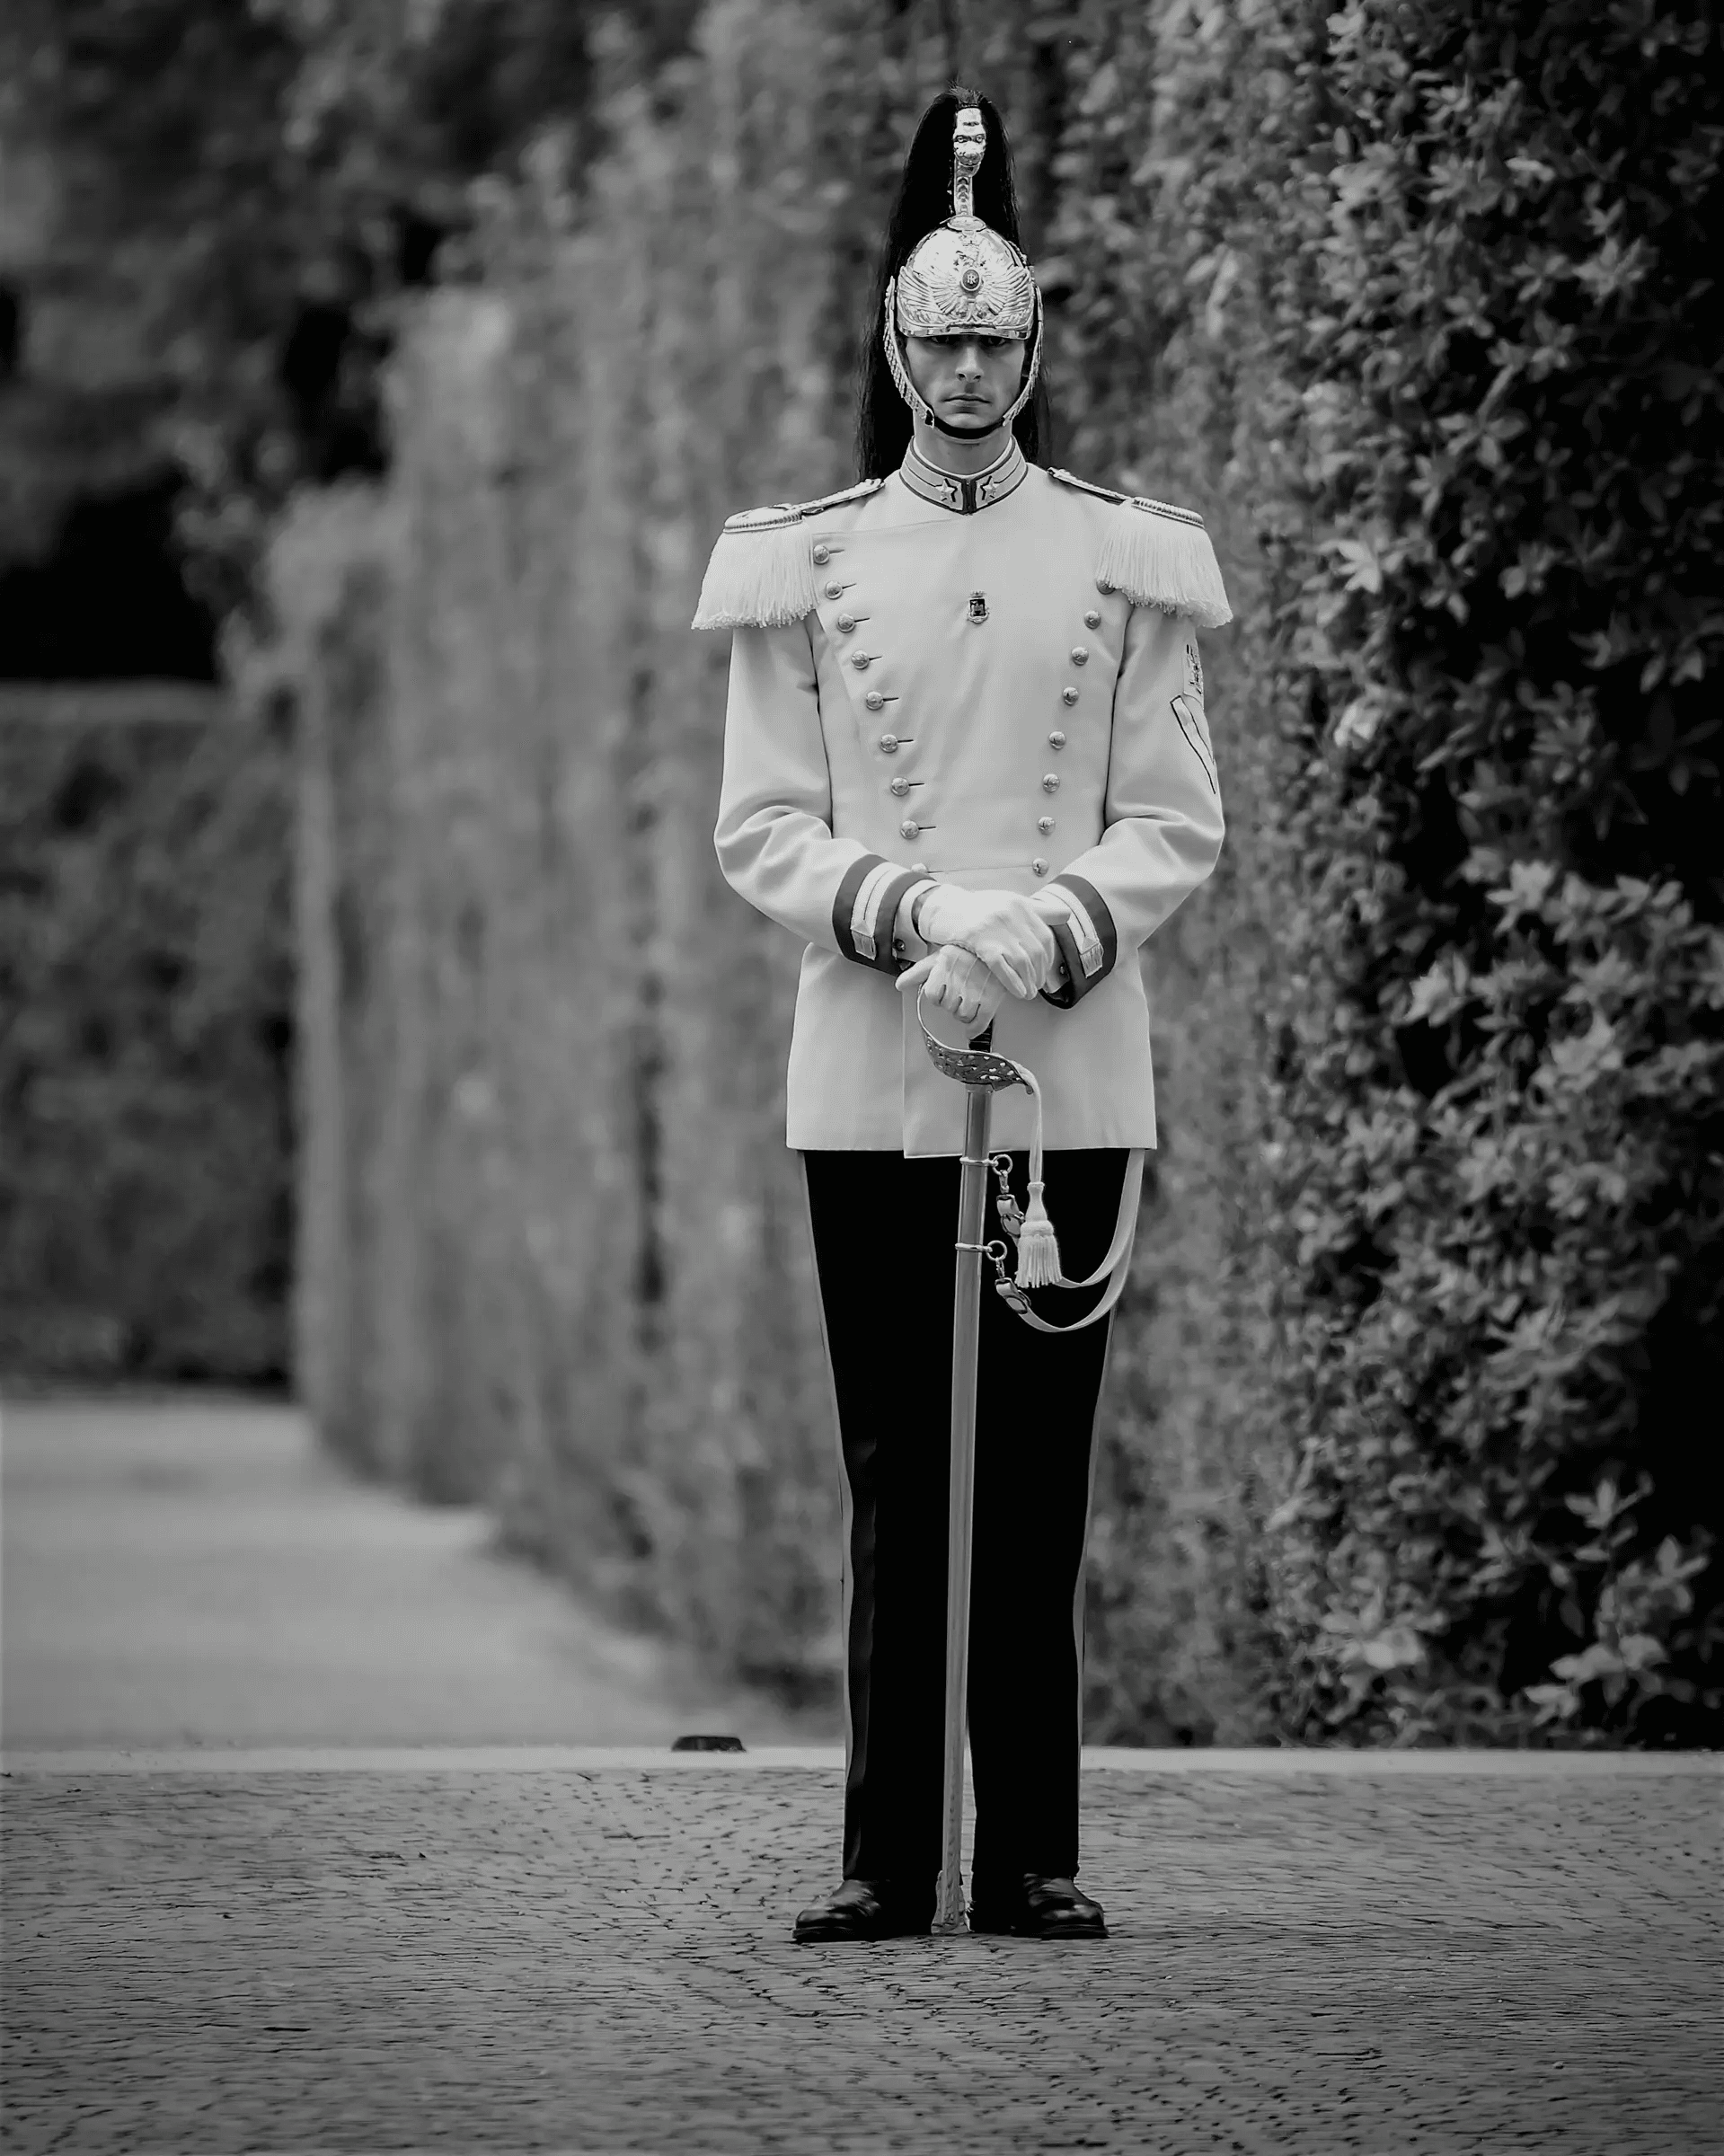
(1494, 1066)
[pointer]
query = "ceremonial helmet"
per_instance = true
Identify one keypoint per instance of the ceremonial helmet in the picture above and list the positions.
(945, 270)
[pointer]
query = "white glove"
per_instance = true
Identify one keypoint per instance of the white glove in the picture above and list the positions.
(1005, 931)
(957, 980)
(1055, 912)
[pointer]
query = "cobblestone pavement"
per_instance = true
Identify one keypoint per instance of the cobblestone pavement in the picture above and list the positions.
(597, 1958)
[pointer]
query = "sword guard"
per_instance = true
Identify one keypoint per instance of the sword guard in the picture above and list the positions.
(971, 1065)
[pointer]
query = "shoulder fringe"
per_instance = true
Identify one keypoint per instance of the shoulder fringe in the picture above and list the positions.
(762, 575)
(1157, 555)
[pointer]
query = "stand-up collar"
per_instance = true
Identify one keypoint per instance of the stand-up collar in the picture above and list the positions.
(965, 496)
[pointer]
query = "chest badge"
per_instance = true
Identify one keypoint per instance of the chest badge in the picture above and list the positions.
(978, 605)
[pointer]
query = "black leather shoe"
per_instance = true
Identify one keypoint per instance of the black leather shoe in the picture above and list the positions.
(863, 1908)
(1041, 1908)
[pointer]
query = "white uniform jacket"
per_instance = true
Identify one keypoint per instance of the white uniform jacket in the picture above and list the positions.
(993, 682)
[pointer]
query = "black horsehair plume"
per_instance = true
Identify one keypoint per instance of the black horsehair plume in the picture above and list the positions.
(924, 201)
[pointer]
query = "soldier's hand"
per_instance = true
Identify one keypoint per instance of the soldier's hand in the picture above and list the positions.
(957, 981)
(1002, 928)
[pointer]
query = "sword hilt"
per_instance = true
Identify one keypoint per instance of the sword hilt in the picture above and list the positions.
(976, 1064)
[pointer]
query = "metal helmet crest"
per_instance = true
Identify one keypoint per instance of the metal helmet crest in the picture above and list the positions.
(962, 276)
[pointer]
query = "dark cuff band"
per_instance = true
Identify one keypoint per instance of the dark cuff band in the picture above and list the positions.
(869, 941)
(1089, 960)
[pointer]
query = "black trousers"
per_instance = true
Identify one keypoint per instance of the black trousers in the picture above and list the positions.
(884, 1231)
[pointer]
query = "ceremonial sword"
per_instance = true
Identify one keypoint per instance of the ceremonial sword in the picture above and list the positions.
(981, 1075)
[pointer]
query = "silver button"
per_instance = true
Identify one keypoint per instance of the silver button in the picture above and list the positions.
(1040, 867)
(822, 555)
(889, 742)
(1092, 620)
(1068, 695)
(1099, 584)
(1050, 781)
(834, 591)
(1080, 653)
(861, 660)
(909, 828)
(846, 622)
(1044, 823)
(874, 701)
(1057, 739)
(900, 786)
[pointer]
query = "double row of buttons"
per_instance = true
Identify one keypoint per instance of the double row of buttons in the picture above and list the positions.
(876, 700)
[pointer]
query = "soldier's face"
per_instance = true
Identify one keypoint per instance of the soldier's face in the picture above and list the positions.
(970, 380)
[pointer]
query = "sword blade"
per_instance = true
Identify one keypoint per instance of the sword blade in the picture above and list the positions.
(966, 1318)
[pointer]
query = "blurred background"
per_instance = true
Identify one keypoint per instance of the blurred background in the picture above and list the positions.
(379, 1035)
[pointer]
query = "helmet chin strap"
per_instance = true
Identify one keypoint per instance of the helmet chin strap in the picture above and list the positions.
(964, 434)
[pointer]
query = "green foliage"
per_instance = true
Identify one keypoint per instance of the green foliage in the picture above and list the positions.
(175, 211)
(144, 1110)
(1494, 1063)
(216, 171)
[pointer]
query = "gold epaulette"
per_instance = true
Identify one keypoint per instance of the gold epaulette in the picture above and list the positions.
(778, 514)
(1157, 554)
(761, 575)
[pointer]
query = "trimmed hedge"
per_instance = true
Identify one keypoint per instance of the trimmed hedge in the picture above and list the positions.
(145, 1138)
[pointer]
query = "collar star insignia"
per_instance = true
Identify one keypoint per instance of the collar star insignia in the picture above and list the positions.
(965, 495)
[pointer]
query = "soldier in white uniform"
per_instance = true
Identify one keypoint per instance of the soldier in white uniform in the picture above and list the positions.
(965, 755)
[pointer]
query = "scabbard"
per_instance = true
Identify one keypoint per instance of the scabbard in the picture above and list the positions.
(966, 1318)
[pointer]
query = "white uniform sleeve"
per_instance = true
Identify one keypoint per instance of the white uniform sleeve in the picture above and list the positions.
(774, 835)
(1162, 814)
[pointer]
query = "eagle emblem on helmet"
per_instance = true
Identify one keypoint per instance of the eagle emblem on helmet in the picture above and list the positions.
(961, 279)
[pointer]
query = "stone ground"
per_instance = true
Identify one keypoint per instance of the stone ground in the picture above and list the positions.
(292, 1943)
